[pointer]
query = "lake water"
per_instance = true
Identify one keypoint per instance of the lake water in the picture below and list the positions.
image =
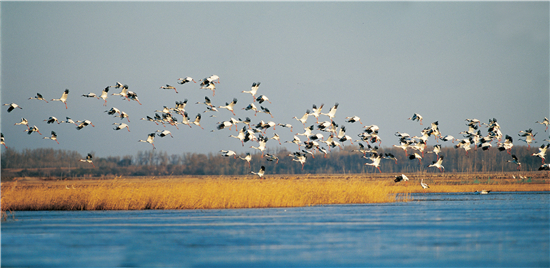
(459, 229)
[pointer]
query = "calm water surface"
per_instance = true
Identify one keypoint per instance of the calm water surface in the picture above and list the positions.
(498, 229)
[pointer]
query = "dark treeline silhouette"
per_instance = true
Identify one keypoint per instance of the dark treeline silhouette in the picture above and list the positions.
(63, 163)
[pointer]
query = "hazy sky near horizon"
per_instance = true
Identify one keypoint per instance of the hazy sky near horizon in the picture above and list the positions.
(381, 61)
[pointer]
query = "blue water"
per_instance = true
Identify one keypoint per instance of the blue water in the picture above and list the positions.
(498, 229)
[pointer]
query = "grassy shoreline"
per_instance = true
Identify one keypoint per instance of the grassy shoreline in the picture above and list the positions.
(218, 192)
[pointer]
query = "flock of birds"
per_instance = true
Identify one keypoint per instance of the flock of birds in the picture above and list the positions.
(320, 137)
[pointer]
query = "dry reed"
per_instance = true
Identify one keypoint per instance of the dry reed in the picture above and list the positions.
(202, 194)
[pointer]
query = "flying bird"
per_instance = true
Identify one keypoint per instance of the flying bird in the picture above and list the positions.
(83, 124)
(247, 158)
(24, 121)
(104, 95)
(416, 156)
(187, 79)
(253, 90)
(90, 95)
(259, 173)
(33, 129)
(38, 97)
(375, 161)
(542, 152)
(416, 117)
(169, 87)
(51, 120)
(515, 160)
(53, 136)
(353, 119)
(88, 159)
(2, 141)
(12, 106)
(438, 164)
(506, 145)
(331, 113)
(228, 153)
(260, 99)
(400, 178)
(545, 122)
(120, 126)
(164, 133)
(150, 139)
(270, 157)
(229, 106)
(63, 98)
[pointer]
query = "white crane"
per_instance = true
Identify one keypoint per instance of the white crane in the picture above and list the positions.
(150, 139)
(12, 106)
(438, 164)
(51, 120)
(224, 124)
(38, 97)
(401, 178)
(133, 96)
(210, 86)
(376, 158)
(33, 129)
(317, 111)
(228, 153)
(304, 117)
(53, 136)
(266, 111)
(69, 121)
(542, 152)
(88, 159)
(285, 126)
(241, 136)
(353, 119)
(2, 141)
(424, 185)
(390, 156)
(90, 95)
(270, 157)
(259, 173)
(299, 157)
(252, 107)
(247, 158)
(186, 79)
(229, 106)
(164, 133)
(332, 112)
(515, 160)
(545, 122)
(197, 121)
(24, 121)
(63, 98)
(416, 117)
(123, 115)
(416, 156)
(262, 141)
(123, 92)
(105, 94)
(296, 140)
(506, 145)
(253, 90)
(169, 87)
(260, 99)
(83, 124)
(120, 126)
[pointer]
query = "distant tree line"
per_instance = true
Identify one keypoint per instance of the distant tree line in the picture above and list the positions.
(47, 162)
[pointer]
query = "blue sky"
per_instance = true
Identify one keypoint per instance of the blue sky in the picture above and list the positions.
(381, 61)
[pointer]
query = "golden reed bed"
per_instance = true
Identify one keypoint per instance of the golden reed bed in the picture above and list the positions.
(230, 192)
